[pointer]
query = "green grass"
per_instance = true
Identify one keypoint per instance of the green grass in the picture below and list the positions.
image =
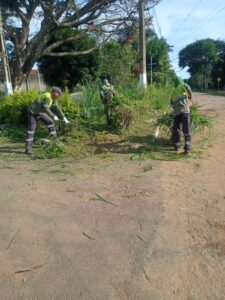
(93, 137)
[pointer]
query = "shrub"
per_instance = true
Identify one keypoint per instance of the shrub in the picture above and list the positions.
(13, 107)
(70, 108)
(121, 112)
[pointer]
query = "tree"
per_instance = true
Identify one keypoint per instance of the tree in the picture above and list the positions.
(116, 61)
(158, 49)
(200, 57)
(67, 71)
(91, 16)
(218, 70)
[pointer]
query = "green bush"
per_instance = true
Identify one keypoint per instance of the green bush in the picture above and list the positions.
(13, 107)
(121, 112)
(70, 108)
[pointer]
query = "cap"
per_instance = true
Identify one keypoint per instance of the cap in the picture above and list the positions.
(56, 89)
(105, 81)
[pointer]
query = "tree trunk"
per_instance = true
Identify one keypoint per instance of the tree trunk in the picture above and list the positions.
(21, 70)
(17, 76)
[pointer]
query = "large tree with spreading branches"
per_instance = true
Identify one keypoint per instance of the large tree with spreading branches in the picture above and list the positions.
(201, 57)
(30, 24)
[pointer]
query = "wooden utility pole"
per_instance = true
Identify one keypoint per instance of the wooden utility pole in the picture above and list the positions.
(143, 73)
(4, 58)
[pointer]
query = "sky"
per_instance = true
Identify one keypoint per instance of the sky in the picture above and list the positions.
(182, 22)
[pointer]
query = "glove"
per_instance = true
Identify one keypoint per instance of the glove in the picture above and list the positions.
(65, 120)
(55, 118)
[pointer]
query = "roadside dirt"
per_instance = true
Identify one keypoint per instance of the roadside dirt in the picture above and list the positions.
(115, 228)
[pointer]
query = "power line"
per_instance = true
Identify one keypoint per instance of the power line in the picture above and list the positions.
(157, 21)
(189, 14)
(206, 20)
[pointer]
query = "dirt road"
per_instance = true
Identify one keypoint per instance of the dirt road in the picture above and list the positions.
(115, 228)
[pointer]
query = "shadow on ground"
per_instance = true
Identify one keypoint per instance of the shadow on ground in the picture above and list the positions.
(139, 146)
(13, 149)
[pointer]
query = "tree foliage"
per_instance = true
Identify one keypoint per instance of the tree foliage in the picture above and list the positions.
(158, 49)
(116, 61)
(29, 45)
(67, 71)
(205, 60)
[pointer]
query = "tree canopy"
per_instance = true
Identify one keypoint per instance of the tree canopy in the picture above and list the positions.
(204, 59)
(67, 71)
(29, 26)
(158, 49)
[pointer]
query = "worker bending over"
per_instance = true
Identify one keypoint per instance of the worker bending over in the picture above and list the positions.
(47, 110)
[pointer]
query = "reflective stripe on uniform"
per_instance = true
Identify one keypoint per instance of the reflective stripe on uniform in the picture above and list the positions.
(30, 132)
(51, 125)
(53, 132)
(29, 140)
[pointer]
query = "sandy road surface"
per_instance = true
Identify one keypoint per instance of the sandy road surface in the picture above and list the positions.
(115, 228)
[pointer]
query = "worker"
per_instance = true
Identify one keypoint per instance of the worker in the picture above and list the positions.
(181, 110)
(107, 93)
(47, 110)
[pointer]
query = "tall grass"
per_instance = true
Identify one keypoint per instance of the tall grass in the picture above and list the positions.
(144, 105)
(90, 104)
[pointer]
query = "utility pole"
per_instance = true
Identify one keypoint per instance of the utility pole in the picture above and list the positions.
(4, 58)
(143, 73)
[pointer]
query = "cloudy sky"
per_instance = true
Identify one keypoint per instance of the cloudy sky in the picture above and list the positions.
(182, 22)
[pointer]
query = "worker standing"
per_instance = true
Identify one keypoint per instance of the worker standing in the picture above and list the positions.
(107, 93)
(47, 110)
(181, 107)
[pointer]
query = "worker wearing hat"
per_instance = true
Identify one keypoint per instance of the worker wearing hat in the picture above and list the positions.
(106, 94)
(47, 110)
(181, 107)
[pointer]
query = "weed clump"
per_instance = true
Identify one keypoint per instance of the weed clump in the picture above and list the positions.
(54, 149)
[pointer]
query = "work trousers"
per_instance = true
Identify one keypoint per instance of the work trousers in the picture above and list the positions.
(182, 120)
(32, 124)
(108, 113)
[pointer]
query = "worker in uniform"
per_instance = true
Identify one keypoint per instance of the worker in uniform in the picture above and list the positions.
(47, 110)
(107, 93)
(181, 110)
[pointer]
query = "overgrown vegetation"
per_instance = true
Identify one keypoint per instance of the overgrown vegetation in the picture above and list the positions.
(13, 108)
(199, 121)
(134, 113)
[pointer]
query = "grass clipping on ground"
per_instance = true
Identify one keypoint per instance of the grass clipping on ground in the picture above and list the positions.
(55, 149)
